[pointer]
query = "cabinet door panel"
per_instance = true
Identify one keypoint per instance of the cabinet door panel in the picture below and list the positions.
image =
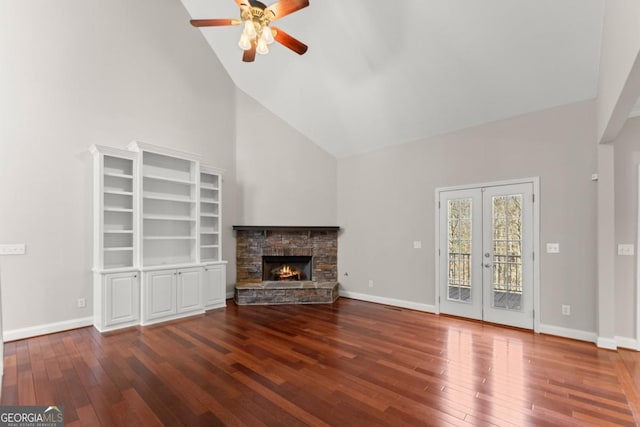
(161, 291)
(122, 298)
(215, 293)
(189, 290)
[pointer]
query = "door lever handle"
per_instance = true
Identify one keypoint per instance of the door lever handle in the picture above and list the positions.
(487, 265)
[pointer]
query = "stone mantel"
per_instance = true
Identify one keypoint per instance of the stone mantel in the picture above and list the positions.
(285, 228)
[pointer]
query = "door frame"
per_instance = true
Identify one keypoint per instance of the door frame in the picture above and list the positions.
(638, 262)
(535, 182)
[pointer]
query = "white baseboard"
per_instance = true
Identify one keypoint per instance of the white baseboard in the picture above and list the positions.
(50, 328)
(574, 334)
(607, 343)
(389, 301)
(628, 343)
(230, 295)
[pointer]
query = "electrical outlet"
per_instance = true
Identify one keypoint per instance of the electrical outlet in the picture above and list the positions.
(627, 250)
(417, 244)
(566, 310)
(553, 248)
(82, 302)
(371, 283)
(12, 249)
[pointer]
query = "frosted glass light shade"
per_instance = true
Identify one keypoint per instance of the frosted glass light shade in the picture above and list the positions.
(262, 47)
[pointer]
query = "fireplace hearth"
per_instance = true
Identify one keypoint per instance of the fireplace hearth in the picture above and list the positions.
(286, 265)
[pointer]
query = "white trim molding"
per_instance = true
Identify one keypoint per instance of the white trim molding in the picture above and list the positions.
(628, 343)
(573, 334)
(50, 328)
(389, 301)
(637, 347)
(607, 343)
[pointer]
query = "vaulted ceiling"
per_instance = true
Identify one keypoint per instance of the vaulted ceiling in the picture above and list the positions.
(380, 73)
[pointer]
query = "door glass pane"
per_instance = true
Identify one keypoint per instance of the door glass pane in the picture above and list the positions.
(507, 252)
(459, 250)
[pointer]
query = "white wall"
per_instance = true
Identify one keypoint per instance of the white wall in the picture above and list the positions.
(283, 177)
(74, 73)
(386, 201)
(627, 159)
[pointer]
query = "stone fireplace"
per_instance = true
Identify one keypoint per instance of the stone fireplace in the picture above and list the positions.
(286, 265)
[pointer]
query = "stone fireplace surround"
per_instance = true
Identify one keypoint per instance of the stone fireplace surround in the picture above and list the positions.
(254, 242)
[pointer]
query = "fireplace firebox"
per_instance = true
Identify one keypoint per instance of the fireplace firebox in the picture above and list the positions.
(286, 268)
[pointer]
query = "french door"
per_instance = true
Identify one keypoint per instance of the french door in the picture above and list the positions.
(486, 253)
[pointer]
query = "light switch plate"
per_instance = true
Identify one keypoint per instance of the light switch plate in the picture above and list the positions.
(417, 244)
(626, 250)
(12, 249)
(553, 248)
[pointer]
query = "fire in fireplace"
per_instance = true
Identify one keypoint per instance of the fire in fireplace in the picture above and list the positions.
(286, 268)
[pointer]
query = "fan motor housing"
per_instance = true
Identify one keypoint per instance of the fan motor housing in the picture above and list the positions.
(256, 13)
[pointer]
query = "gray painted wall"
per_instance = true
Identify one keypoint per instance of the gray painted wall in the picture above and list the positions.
(386, 201)
(283, 177)
(76, 73)
(627, 159)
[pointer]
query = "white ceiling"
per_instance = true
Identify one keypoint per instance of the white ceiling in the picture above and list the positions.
(380, 73)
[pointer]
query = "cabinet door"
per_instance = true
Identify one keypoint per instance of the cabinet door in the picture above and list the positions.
(189, 290)
(161, 293)
(215, 292)
(122, 303)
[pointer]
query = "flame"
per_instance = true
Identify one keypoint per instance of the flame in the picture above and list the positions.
(287, 273)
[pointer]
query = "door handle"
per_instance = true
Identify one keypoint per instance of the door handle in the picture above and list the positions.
(487, 265)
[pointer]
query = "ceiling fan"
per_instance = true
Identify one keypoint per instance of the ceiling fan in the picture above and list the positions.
(258, 33)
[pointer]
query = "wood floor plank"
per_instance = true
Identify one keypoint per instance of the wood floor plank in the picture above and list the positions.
(348, 363)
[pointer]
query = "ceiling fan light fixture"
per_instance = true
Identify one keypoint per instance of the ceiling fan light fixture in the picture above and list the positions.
(245, 42)
(267, 35)
(257, 34)
(262, 48)
(249, 29)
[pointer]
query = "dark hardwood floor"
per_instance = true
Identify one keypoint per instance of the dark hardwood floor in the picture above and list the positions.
(347, 364)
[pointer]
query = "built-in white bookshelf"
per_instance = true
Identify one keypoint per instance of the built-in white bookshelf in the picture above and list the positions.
(210, 213)
(157, 242)
(114, 204)
(169, 209)
(116, 290)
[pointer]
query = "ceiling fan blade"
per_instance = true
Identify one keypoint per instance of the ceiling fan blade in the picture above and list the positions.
(242, 3)
(286, 40)
(249, 55)
(214, 22)
(283, 8)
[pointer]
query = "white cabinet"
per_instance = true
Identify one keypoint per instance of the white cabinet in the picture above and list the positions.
(214, 286)
(189, 290)
(169, 294)
(116, 290)
(116, 302)
(160, 294)
(157, 235)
